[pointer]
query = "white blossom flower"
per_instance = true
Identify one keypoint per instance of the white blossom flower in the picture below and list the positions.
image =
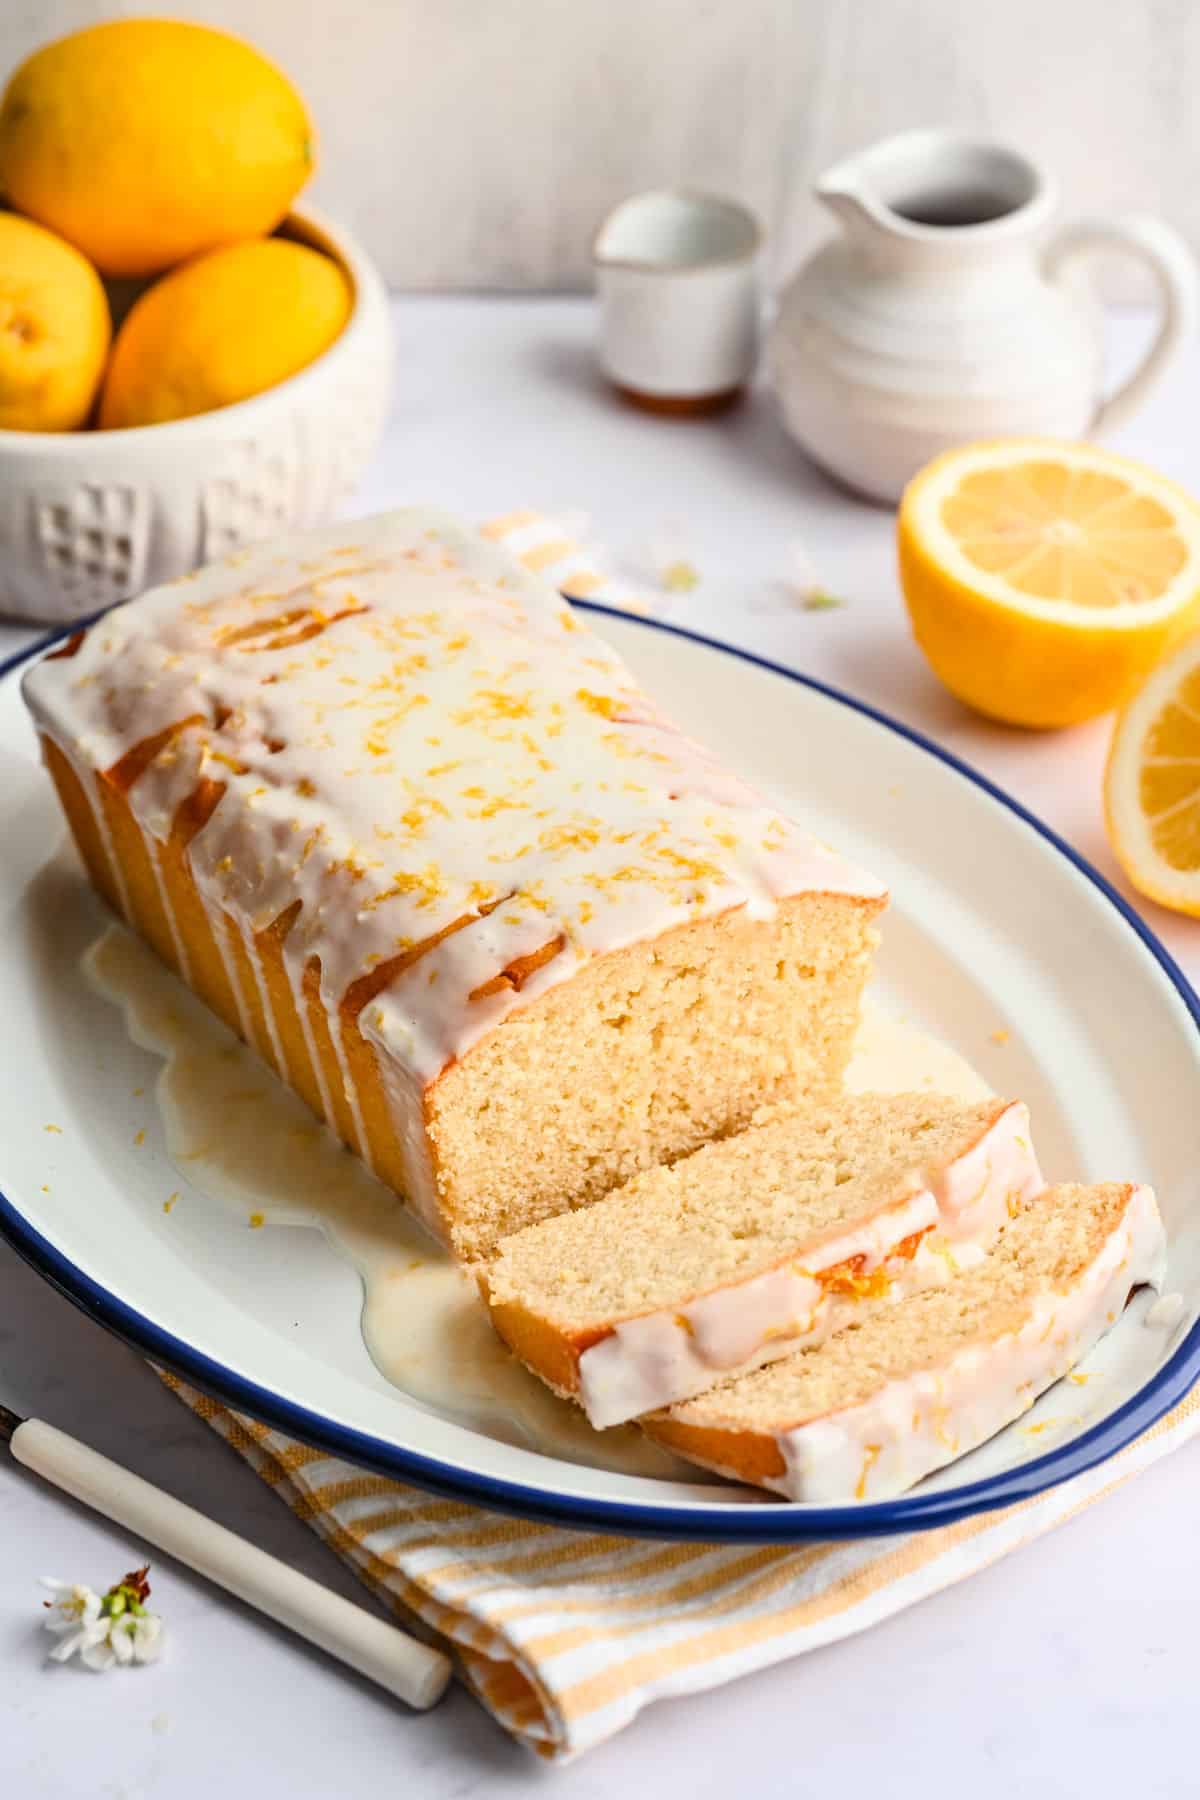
(73, 1616)
(73, 1605)
(99, 1655)
(804, 584)
(107, 1631)
(147, 1636)
(666, 558)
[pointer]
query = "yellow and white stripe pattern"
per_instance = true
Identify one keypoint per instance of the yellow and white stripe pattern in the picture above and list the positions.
(547, 548)
(565, 1636)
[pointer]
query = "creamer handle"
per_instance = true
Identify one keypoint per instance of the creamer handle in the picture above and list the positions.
(1173, 266)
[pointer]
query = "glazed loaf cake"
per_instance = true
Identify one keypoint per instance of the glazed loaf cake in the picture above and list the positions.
(413, 830)
(756, 1246)
(882, 1404)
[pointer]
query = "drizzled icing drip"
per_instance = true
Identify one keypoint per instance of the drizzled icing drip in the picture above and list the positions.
(464, 788)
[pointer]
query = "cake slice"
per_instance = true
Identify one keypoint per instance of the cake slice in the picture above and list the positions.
(879, 1406)
(756, 1245)
(415, 832)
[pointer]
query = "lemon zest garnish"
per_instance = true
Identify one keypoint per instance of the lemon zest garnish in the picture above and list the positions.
(679, 577)
(428, 884)
(604, 705)
(491, 704)
(870, 1457)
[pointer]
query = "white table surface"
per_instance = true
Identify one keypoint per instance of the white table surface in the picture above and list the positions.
(1067, 1669)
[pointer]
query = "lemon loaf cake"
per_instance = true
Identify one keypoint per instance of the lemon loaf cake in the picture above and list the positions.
(413, 830)
(757, 1245)
(881, 1404)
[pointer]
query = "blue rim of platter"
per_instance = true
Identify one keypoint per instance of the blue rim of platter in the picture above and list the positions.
(770, 1522)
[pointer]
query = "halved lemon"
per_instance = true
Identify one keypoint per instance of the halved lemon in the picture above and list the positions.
(1045, 579)
(1152, 783)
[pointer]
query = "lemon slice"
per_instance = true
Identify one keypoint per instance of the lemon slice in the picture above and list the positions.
(1045, 579)
(1152, 783)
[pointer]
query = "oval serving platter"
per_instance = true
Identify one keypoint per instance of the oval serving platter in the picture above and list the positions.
(999, 940)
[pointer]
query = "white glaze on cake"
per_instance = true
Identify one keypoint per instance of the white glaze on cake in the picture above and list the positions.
(416, 737)
(662, 1357)
(913, 1425)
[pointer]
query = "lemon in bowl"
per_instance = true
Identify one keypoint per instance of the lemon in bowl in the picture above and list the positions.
(1044, 579)
(54, 330)
(146, 141)
(222, 328)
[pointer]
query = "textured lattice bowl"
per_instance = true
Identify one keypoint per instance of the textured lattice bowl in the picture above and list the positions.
(90, 517)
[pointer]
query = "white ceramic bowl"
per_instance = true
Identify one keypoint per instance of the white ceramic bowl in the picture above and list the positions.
(90, 517)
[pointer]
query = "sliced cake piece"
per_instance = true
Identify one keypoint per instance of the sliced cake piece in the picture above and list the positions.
(877, 1407)
(756, 1245)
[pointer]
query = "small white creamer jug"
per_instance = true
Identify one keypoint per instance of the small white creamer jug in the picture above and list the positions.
(940, 314)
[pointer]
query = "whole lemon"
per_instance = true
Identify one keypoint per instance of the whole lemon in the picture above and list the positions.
(54, 330)
(145, 141)
(221, 328)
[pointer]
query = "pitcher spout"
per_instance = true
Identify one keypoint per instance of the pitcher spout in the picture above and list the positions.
(842, 190)
(935, 189)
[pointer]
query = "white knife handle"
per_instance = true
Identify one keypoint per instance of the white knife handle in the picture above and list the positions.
(373, 1646)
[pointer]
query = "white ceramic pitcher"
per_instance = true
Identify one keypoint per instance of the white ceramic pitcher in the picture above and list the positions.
(940, 314)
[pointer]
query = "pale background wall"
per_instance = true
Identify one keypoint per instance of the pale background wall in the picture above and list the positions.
(475, 143)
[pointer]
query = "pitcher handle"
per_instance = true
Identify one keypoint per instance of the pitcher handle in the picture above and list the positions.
(1167, 256)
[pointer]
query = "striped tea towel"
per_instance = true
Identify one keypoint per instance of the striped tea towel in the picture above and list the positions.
(549, 549)
(566, 1636)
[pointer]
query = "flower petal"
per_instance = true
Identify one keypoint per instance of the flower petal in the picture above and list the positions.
(66, 1647)
(99, 1654)
(147, 1639)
